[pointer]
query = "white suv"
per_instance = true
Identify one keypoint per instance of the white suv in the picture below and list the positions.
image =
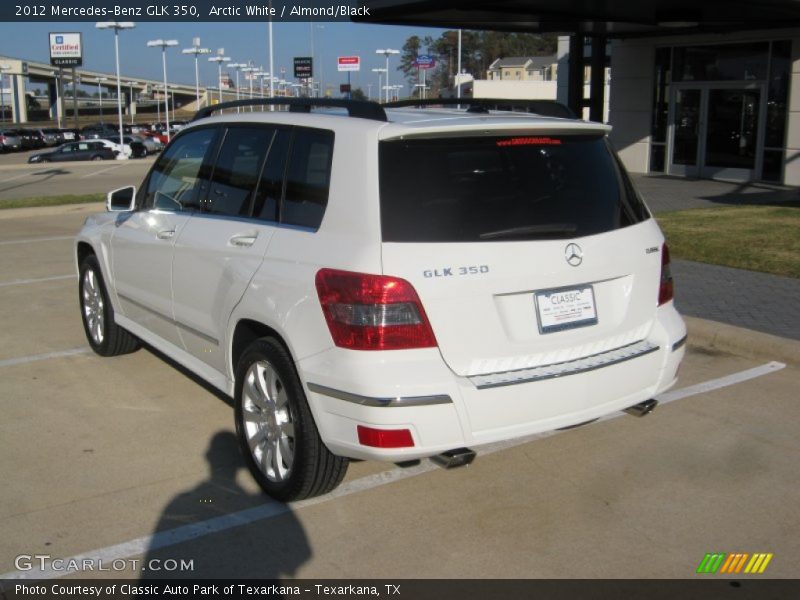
(387, 285)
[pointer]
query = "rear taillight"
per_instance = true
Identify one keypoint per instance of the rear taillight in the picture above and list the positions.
(384, 438)
(665, 289)
(372, 312)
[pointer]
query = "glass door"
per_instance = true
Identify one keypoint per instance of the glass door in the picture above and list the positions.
(716, 131)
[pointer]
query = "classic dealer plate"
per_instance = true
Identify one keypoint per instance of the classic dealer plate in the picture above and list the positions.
(565, 308)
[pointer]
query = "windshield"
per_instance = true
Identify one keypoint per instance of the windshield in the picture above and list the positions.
(503, 188)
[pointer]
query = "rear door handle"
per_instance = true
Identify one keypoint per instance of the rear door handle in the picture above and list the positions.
(247, 239)
(165, 234)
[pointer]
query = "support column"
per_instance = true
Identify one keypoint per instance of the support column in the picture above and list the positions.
(575, 75)
(597, 85)
(19, 104)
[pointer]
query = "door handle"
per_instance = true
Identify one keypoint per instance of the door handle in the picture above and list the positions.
(165, 234)
(247, 239)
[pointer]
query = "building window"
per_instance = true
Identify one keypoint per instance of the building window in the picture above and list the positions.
(724, 62)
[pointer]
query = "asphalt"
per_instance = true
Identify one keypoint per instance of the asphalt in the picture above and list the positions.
(747, 299)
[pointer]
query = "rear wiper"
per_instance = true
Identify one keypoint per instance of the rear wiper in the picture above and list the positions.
(551, 229)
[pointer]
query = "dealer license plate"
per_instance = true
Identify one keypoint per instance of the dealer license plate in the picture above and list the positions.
(565, 308)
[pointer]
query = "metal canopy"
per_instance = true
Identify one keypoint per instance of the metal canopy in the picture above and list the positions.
(606, 18)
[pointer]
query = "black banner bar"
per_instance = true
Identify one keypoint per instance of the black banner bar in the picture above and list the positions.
(711, 588)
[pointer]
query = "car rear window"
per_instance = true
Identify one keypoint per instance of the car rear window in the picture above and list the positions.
(503, 188)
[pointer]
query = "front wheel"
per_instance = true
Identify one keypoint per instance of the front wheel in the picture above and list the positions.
(276, 430)
(103, 334)
(98, 157)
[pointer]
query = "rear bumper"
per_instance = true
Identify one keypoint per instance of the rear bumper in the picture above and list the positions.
(415, 390)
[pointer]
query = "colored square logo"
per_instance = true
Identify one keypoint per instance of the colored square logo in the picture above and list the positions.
(59, 39)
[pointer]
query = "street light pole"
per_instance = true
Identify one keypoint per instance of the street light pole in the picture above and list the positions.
(100, 95)
(237, 66)
(219, 59)
(164, 44)
(116, 26)
(197, 51)
(130, 89)
(379, 72)
(387, 53)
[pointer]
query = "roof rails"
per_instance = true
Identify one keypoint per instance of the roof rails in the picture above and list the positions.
(355, 108)
(547, 108)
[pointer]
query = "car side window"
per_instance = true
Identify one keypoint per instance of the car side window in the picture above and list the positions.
(236, 170)
(173, 182)
(270, 188)
(308, 178)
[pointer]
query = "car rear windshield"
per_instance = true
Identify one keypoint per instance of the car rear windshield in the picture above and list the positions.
(503, 188)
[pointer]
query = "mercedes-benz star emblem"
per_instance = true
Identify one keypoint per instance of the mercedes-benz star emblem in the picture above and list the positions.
(573, 254)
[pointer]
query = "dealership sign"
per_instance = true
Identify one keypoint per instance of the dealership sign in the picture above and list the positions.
(349, 63)
(424, 61)
(303, 67)
(66, 50)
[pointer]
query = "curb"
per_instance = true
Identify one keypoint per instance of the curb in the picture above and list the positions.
(56, 209)
(741, 341)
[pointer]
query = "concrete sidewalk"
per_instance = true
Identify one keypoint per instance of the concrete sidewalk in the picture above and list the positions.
(757, 301)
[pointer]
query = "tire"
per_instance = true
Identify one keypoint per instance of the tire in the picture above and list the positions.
(98, 157)
(276, 431)
(104, 336)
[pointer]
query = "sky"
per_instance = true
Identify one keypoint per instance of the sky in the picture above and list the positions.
(242, 42)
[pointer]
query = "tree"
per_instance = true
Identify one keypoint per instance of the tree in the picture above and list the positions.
(358, 94)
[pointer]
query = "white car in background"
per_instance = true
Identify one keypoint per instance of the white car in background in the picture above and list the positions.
(387, 283)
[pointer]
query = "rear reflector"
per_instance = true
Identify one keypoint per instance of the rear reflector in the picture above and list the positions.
(372, 312)
(666, 289)
(384, 438)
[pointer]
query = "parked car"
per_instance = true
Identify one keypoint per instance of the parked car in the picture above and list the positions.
(31, 140)
(392, 285)
(113, 143)
(70, 135)
(152, 144)
(136, 146)
(85, 150)
(51, 136)
(97, 132)
(10, 140)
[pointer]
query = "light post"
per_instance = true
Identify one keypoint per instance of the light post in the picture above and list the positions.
(58, 98)
(130, 85)
(197, 51)
(219, 59)
(100, 95)
(387, 52)
(250, 74)
(164, 44)
(380, 74)
(116, 26)
(238, 67)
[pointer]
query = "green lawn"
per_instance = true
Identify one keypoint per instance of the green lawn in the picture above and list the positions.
(52, 200)
(758, 238)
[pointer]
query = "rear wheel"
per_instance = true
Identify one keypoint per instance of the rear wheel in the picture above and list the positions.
(103, 334)
(276, 430)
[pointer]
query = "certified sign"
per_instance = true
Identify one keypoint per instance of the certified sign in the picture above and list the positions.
(349, 63)
(66, 50)
(566, 308)
(425, 61)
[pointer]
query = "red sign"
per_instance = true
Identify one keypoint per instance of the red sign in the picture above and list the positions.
(349, 63)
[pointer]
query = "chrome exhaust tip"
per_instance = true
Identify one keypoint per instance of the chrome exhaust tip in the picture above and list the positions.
(454, 458)
(643, 408)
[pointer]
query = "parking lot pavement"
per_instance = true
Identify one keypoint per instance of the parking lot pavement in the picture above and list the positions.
(131, 459)
(21, 180)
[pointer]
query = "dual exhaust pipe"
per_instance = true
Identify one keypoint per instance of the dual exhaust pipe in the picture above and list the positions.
(463, 456)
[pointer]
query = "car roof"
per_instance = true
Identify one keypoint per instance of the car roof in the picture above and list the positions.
(414, 122)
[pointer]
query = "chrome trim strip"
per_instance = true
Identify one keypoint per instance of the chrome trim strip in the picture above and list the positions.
(570, 367)
(679, 343)
(183, 326)
(380, 402)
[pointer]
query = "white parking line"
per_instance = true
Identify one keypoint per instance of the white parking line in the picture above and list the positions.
(35, 240)
(101, 171)
(272, 509)
(10, 362)
(38, 280)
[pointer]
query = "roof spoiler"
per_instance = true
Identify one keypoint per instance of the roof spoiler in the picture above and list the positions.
(355, 108)
(547, 108)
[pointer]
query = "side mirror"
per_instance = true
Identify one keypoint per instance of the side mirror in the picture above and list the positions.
(121, 200)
